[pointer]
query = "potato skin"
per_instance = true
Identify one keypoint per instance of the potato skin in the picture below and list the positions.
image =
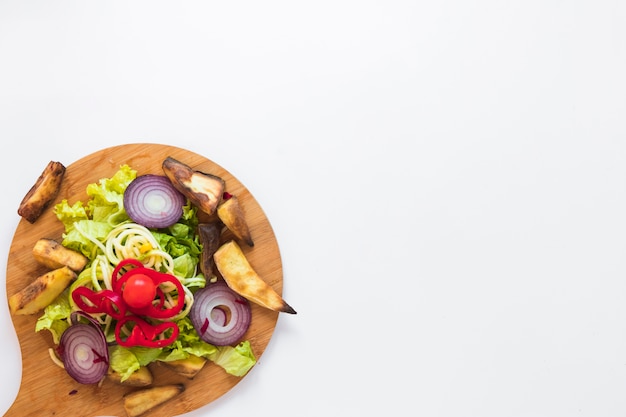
(188, 368)
(209, 235)
(241, 277)
(233, 217)
(142, 377)
(41, 194)
(53, 255)
(139, 402)
(41, 292)
(204, 190)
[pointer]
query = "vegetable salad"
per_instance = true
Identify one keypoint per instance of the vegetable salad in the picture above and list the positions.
(101, 230)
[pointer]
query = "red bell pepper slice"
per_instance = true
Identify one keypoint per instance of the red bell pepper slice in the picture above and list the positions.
(119, 268)
(96, 302)
(111, 302)
(158, 310)
(145, 334)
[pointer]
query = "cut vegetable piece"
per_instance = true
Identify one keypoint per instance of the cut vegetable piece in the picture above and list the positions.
(233, 217)
(41, 194)
(139, 402)
(142, 377)
(209, 237)
(133, 331)
(165, 306)
(219, 315)
(229, 323)
(42, 291)
(202, 189)
(188, 367)
(84, 352)
(152, 201)
(234, 267)
(50, 253)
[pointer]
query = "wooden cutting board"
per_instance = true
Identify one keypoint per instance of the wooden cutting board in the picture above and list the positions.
(46, 389)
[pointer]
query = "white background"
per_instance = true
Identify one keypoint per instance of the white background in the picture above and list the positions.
(446, 180)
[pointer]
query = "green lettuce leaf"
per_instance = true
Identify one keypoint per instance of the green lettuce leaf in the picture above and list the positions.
(123, 361)
(104, 210)
(237, 360)
(82, 235)
(188, 342)
(55, 317)
(106, 197)
(182, 243)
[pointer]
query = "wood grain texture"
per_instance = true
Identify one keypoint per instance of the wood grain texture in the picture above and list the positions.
(45, 389)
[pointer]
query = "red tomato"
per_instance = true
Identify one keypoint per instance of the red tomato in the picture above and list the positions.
(139, 291)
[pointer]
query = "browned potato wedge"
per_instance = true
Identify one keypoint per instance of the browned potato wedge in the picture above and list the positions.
(209, 236)
(202, 189)
(186, 367)
(42, 291)
(233, 217)
(234, 267)
(41, 194)
(142, 377)
(52, 254)
(141, 401)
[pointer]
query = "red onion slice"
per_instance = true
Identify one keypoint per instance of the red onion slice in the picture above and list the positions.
(152, 201)
(220, 316)
(84, 352)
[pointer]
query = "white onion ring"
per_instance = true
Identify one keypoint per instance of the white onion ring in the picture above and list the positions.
(153, 202)
(211, 325)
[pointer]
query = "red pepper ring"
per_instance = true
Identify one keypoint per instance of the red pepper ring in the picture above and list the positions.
(145, 334)
(118, 268)
(103, 301)
(157, 310)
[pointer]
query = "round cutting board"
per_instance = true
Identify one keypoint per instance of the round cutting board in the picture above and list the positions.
(45, 388)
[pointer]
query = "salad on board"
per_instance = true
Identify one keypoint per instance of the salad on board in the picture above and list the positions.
(139, 278)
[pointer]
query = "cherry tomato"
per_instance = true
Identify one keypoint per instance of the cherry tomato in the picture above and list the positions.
(139, 291)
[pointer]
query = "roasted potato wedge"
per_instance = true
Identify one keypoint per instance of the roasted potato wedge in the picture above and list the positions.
(42, 291)
(209, 236)
(143, 400)
(142, 377)
(234, 267)
(203, 190)
(50, 253)
(41, 194)
(233, 217)
(188, 368)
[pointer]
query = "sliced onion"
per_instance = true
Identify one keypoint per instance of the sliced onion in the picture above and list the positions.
(152, 201)
(84, 352)
(76, 315)
(220, 316)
